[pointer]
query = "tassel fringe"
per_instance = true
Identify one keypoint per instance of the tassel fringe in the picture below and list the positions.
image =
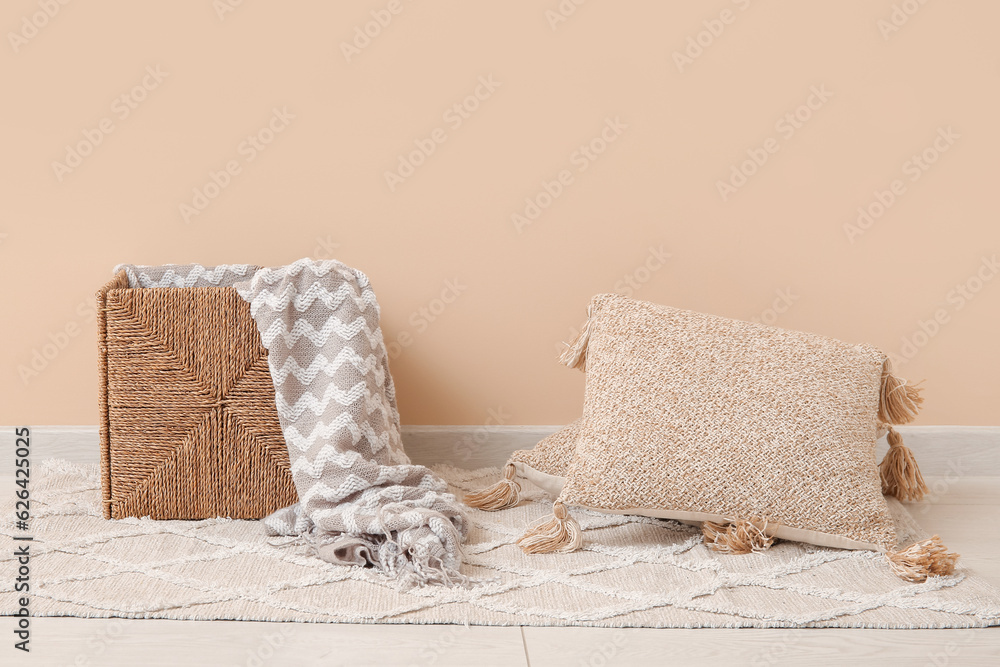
(899, 402)
(575, 354)
(740, 537)
(899, 471)
(559, 533)
(929, 558)
(500, 496)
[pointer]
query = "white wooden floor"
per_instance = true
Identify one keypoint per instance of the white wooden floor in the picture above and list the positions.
(964, 511)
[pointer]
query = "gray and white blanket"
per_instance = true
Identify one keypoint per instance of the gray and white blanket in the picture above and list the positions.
(361, 501)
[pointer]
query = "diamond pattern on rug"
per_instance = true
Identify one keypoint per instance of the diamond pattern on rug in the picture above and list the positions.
(632, 572)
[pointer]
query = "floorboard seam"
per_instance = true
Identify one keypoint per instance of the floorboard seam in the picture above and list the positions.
(524, 644)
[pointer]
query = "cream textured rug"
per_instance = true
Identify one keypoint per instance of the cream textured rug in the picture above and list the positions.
(632, 572)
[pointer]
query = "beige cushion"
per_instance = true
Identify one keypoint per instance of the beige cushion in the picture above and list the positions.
(697, 417)
(547, 463)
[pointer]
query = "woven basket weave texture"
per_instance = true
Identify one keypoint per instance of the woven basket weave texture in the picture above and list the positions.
(189, 428)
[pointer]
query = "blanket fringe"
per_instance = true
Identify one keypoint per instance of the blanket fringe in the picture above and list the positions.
(559, 533)
(899, 402)
(500, 496)
(575, 354)
(739, 537)
(917, 562)
(899, 471)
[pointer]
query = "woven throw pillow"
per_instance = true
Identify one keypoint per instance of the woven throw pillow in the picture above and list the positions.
(545, 465)
(757, 431)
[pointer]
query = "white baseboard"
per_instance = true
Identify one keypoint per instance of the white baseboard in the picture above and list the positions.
(941, 451)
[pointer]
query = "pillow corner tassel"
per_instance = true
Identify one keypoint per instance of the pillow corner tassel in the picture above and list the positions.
(738, 537)
(899, 401)
(575, 354)
(558, 533)
(500, 496)
(927, 558)
(899, 471)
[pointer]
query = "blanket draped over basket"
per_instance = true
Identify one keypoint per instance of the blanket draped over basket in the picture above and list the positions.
(361, 501)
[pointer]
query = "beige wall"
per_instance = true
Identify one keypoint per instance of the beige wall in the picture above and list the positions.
(880, 93)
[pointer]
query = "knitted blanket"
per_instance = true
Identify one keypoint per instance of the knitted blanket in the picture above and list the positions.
(361, 501)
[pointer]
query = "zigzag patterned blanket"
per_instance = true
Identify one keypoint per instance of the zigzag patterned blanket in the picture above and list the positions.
(361, 501)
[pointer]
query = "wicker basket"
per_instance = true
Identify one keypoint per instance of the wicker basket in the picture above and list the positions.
(189, 428)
